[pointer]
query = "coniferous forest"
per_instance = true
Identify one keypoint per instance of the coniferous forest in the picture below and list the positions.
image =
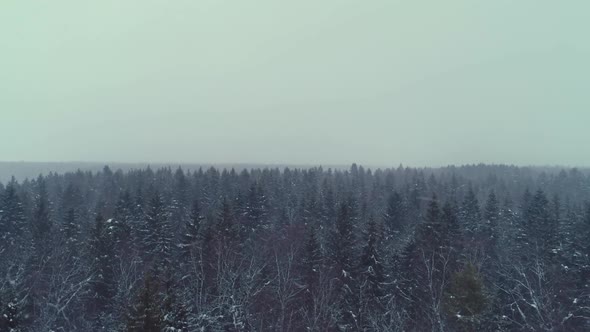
(471, 248)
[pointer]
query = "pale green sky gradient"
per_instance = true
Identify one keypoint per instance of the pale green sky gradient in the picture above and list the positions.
(304, 82)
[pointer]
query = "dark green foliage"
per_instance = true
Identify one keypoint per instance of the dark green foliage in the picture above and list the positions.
(471, 215)
(311, 263)
(226, 228)
(145, 315)
(12, 218)
(372, 271)
(157, 232)
(72, 234)
(42, 223)
(465, 299)
(488, 233)
(395, 215)
(174, 309)
(101, 253)
(191, 233)
(297, 250)
(123, 222)
(541, 228)
(255, 214)
(342, 261)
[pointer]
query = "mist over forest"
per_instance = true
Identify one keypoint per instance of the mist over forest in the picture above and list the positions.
(470, 248)
(296, 166)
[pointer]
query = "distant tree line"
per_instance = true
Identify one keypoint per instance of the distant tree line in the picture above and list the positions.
(472, 248)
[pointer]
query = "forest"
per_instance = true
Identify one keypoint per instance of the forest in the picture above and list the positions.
(465, 248)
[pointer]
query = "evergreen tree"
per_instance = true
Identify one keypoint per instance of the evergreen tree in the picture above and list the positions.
(255, 211)
(342, 259)
(192, 228)
(227, 231)
(70, 200)
(471, 216)
(42, 223)
(157, 232)
(488, 233)
(372, 272)
(145, 315)
(310, 266)
(465, 300)
(426, 267)
(72, 234)
(451, 238)
(394, 217)
(175, 312)
(541, 227)
(124, 225)
(12, 218)
(101, 251)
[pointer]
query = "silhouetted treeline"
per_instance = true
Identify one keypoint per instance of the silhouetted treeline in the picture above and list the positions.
(474, 248)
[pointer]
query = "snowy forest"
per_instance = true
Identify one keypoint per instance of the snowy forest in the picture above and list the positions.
(470, 248)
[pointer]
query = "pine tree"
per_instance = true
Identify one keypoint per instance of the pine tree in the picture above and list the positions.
(394, 217)
(42, 223)
(310, 266)
(255, 211)
(425, 266)
(124, 225)
(541, 227)
(465, 300)
(12, 218)
(208, 260)
(488, 234)
(226, 227)
(451, 238)
(101, 251)
(342, 259)
(72, 234)
(192, 228)
(71, 199)
(372, 271)
(145, 315)
(470, 215)
(174, 311)
(157, 232)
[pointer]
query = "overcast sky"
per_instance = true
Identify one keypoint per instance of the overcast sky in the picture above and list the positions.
(301, 82)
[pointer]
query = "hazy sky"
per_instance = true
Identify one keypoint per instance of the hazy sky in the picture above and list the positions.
(305, 82)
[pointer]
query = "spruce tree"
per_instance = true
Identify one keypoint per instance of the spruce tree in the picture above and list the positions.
(157, 232)
(372, 271)
(12, 218)
(425, 265)
(541, 227)
(72, 234)
(101, 251)
(226, 228)
(394, 217)
(42, 223)
(255, 211)
(174, 309)
(488, 234)
(124, 225)
(192, 231)
(471, 216)
(342, 259)
(145, 315)
(311, 265)
(465, 300)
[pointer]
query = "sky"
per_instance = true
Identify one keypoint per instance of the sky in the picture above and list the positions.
(423, 83)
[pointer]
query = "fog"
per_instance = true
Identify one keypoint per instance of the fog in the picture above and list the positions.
(305, 82)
